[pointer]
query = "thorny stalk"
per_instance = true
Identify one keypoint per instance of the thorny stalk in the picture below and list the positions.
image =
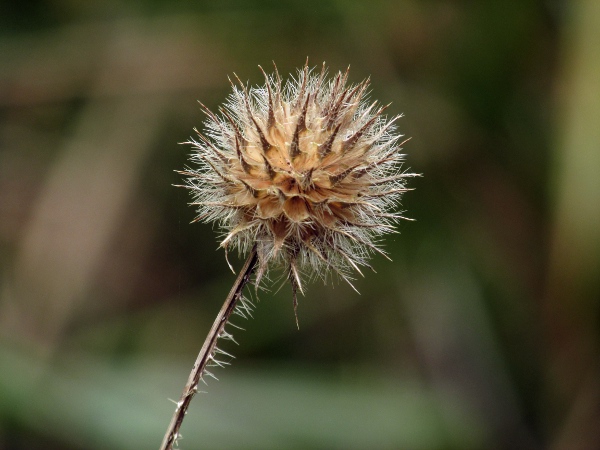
(308, 174)
(209, 349)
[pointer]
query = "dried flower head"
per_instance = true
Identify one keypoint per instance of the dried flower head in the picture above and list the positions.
(308, 172)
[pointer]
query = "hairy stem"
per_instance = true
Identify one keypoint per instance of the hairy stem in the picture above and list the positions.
(207, 352)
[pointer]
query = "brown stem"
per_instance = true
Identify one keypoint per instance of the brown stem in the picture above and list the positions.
(206, 353)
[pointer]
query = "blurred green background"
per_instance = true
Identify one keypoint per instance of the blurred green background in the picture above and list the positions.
(482, 334)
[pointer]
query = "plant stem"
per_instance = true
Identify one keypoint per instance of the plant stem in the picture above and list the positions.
(207, 351)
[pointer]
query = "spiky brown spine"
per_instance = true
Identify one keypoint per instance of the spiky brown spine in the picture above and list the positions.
(307, 171)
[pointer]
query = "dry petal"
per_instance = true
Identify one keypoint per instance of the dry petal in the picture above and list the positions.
(295, 209)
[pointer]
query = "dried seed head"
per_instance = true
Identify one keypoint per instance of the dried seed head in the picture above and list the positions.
(306, 171)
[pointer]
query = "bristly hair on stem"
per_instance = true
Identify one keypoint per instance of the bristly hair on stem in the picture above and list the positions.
(210, 354)
(305, 176)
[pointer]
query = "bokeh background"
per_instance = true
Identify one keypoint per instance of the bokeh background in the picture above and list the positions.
(482, 333)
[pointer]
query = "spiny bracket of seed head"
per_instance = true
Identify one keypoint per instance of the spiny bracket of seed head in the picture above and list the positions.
(307, 171)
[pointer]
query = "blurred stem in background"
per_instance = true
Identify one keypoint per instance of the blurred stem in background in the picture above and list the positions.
(573, 281)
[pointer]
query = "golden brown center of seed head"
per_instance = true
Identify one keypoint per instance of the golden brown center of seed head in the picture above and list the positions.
(297, 170)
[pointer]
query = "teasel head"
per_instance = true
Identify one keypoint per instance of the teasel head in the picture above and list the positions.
(308, 172)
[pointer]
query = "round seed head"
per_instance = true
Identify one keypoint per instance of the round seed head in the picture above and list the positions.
(308, 172)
